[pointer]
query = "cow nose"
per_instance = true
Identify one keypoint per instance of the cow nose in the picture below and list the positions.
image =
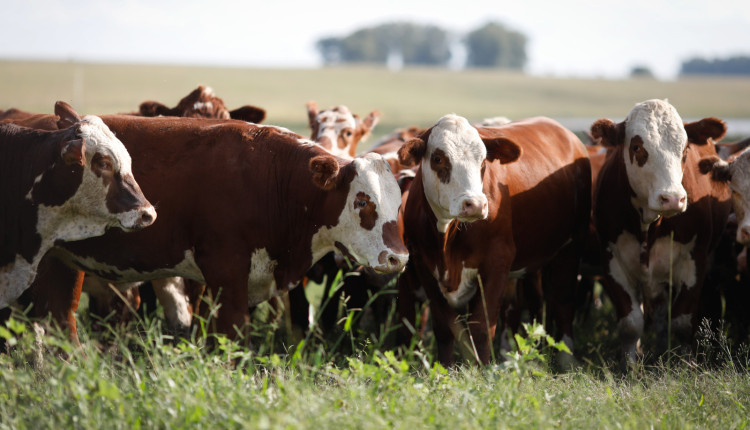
(147, 217)
(392, 263)
(473, 207)
(672, 202)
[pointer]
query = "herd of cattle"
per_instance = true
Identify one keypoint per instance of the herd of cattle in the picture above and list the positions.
(485, 221)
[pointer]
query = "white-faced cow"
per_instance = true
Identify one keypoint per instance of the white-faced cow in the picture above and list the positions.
(60, 186)
(657, 217)
(244, 209)
(487, 206)
(338, 130)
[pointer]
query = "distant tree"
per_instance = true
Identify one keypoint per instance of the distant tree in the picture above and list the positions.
(641, 72)
(731, 66)
(414, 44)
(493, 45)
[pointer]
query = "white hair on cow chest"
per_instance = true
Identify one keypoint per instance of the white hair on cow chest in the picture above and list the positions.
(261, 283)
(15, 277)
(626, 269)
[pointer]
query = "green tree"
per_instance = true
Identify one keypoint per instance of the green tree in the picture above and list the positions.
(493, 45)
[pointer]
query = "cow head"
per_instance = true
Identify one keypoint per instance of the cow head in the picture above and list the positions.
(202, 103)
(338, 130)
(452, 155)
(107, 190)
(653, 141)
(367, 227)
(736, 172)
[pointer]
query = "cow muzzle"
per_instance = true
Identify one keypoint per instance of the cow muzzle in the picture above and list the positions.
(670, 203)
(137, 218)
(391, 262)
(473, 209)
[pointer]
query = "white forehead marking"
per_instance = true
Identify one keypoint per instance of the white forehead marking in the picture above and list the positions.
(201, 105)
(99, 138)
(458, 139)
(657, 123)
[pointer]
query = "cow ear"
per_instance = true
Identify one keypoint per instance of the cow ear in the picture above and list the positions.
(607, 133)
(699, 132)
(718, 168)
(151, 108)
(312, 113)
(367, 124)
(74, 152)
(68, 116)
(412, 151)
(325, 170)
(248, 113)
(500, 148)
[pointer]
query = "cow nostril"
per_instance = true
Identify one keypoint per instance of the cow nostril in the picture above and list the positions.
(146, 218)
(392, 261)
(663, 199)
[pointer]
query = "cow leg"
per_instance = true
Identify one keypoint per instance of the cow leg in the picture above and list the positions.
(629, 316)
(56, 292)
(172, 296)
(485, 311)
(560, 282)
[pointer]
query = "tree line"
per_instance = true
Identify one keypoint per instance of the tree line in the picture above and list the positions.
(739, 65)
(404, 43)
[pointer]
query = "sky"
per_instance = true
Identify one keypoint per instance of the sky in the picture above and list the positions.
(566, 38)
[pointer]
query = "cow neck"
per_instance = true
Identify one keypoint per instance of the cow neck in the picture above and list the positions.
(421, 231)
(35, 152)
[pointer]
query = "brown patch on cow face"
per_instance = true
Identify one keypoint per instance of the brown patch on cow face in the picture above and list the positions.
(124, 195)
(103, 167)
(441, 165)
(367, 211)
(345, 137)
(637, 151)
(392, 238)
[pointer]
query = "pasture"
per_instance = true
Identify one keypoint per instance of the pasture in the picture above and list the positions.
(138, 377)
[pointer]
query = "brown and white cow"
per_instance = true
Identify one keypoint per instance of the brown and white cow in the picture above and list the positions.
(244, 209)
(338, 130)
(487, 206)
(60, 186)
(202, 103)
(648, 191)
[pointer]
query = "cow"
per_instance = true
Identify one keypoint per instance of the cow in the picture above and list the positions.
(202, 103)
(389, 145)
(731, 274)
(658, 219)
(338, 130)
(477, 217)
(61, 186)
(244, 209)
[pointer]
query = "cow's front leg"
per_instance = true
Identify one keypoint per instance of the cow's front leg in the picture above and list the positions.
(484, 310)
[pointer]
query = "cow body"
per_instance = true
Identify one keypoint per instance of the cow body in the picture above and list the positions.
(263, 205)
(469, 267)
(658, 219)
(60, 186)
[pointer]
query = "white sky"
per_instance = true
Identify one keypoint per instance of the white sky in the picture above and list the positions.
(566, 37)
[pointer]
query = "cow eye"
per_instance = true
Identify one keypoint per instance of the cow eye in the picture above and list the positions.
(361, 203)
(436, 159)
(348, 133)
(104, 164)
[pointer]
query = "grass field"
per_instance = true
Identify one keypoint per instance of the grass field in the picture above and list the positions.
(136, 377)
(408, 97)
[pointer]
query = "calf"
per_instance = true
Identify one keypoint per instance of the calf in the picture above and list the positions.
(244, 209)
(649, 190)
(477, 217)
(60, 186)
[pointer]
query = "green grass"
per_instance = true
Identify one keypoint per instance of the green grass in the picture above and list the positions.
(416, 96)
(139, 379)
